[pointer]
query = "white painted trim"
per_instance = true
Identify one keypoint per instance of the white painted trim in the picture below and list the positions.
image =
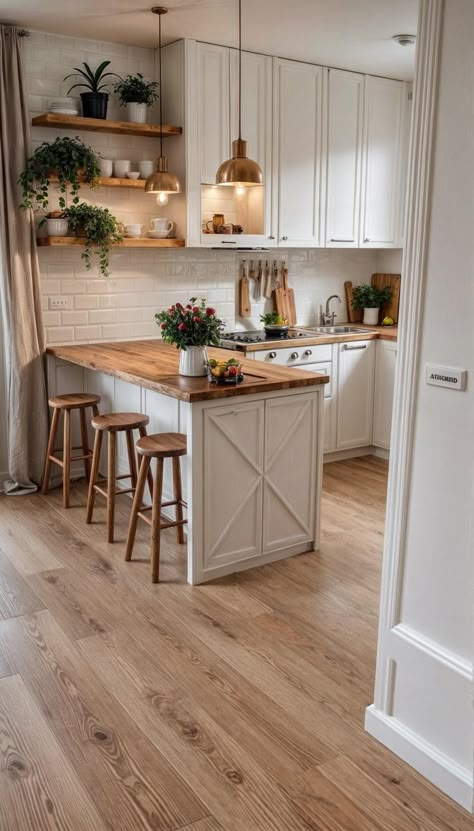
(353, 453)
(451, 660)
(440, 769)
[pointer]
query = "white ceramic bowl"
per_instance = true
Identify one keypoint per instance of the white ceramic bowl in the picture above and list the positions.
(146, 168)
(57, 227)
(159, 234)
(106, 167)
(121, 168)
(132, 230)
(132, 174)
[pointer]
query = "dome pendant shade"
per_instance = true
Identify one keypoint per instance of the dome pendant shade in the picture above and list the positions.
(162, 181)
(239, 171)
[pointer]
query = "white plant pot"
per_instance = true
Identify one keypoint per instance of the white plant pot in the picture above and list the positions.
(193, 360)
(57, 227)
(136, 112)
(371, 317)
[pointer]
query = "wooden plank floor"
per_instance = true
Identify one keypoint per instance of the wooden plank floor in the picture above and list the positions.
(236, 706)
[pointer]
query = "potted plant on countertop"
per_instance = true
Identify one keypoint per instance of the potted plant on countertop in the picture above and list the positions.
(370, 299)
(100, 228)
(94, 102)
(68, 159)
(137, 95)
(192, 328)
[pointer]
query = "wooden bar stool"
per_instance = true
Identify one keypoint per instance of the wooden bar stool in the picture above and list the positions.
(160, 446)
(66, 404)
(114, 423)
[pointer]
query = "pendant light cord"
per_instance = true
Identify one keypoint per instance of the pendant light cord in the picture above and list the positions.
(161, 86)
(240, 69)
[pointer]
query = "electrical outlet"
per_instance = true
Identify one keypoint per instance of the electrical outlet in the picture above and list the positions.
(57, 303)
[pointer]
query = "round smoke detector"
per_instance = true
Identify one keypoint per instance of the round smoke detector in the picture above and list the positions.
(404, 40)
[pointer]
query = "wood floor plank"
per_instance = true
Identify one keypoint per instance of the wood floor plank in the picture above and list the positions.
(130, 783)
(19, 540)
(16, 598)
(208, 824)
(38, 787)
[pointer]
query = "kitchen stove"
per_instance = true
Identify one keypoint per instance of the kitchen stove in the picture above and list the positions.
(234, 340)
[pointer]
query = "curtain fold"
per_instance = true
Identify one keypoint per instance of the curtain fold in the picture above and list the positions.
(25, 402)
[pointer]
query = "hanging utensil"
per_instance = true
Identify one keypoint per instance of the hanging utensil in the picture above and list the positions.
(267, 284)
(258, 282)
(245, 308)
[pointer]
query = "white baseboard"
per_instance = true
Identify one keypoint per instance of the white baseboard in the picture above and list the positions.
(441, 770)
(354, 452)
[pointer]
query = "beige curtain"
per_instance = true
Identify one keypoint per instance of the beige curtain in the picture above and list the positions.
(25, 403)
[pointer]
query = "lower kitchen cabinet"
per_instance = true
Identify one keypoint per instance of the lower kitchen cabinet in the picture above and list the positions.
(355, 394)
(385, 365)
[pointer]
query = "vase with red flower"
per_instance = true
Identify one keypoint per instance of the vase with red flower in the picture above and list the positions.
(191, 328)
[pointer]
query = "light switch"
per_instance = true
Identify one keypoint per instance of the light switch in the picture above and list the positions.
(445, 376)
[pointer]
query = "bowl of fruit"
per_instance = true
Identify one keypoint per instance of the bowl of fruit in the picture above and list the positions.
(225, 372)
(275, 325)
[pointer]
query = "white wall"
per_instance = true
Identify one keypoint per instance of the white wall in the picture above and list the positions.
(427, 657)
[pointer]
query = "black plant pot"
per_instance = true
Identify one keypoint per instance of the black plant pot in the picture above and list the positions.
(94, 104)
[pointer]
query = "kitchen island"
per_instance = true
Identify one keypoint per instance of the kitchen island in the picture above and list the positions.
(252, 475)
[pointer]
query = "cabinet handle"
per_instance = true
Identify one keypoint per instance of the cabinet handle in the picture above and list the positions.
(293, 356)
(352, 348)
(228, 242)
(272, 354)
(366, 239)
(284, 237)
(271, 236)
(307, 353)
(340, 240)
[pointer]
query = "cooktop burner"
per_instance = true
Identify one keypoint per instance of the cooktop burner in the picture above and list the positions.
(231, 339)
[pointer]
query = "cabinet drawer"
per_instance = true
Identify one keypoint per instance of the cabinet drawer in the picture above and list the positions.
(299, 355)
(325, 368)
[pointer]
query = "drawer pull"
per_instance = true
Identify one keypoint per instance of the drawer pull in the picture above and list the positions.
(352, 348)
(293, 356)
(308, 352)
(272, 354)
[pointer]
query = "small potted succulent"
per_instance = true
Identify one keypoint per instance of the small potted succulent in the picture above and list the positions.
(192, 328)
(370, 299)
(136, 94)
(95, 100)
(99, 227)
(68, 160)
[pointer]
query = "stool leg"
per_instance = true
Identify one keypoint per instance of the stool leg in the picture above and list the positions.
(67, 458)
(51, 442)
(132, 459)
(111, 474)
(137, 503)
(156, 522)
(178, 495)
(85, 443)
(95, 410)
(94, 474)
(142, 431)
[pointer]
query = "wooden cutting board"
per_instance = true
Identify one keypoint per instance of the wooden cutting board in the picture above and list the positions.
(290, 299)
(280, 299)
(389, 309)
(353, 315)
(245, 308)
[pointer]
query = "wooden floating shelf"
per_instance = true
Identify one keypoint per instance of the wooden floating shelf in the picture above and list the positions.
(136, 184)
(127, 242)
(103, 125)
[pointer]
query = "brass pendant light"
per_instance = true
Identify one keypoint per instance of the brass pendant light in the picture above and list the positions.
(239, 171)
(162, 182)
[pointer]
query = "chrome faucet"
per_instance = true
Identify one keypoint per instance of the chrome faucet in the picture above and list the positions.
(327, 318)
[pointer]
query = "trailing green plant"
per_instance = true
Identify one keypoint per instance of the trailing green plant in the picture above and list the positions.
(67, 158)
(135, 90)
(100, 228)
(92, 80)
(370, 297)
(190, 325)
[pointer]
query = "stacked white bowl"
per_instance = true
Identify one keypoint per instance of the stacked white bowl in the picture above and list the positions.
(65, 106)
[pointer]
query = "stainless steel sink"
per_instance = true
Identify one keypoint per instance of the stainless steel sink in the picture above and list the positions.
(336, 330)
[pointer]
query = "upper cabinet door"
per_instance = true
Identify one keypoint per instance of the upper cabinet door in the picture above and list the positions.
(298, 148)
(213, 109)
(384, 168)
(344, 155)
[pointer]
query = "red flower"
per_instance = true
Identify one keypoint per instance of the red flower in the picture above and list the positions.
(171, 309)
(197, 319)
(163, 326)
(179, 305)
(210, 311)
(189, 306)
(195, 309)
(182, 327)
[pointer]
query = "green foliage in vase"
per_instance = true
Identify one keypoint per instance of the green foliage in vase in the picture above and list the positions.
(67, 158)
(370, 297)
(100, 228)
(195, 324)
(134, 89)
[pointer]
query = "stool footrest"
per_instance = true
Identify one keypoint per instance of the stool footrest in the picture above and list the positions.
(117, 492)
(165, 524)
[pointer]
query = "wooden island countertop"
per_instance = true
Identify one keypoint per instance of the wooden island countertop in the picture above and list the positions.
(153, 364)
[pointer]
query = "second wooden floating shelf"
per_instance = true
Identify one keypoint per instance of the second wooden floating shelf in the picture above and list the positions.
(113, 182)
(127, 242)
(104, 125)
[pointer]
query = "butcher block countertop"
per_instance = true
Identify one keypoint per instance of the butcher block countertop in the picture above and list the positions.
(154, 365)
(372, 333)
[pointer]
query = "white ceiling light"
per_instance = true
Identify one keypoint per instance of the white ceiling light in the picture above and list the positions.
(404, 40)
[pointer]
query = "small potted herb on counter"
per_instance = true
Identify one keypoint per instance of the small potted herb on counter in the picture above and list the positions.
(136, 94)
(99, 227)
(94, 102)
(68, 159)
(191, 328)
(370, 299)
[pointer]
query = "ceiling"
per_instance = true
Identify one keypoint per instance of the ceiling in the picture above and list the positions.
(352, 34)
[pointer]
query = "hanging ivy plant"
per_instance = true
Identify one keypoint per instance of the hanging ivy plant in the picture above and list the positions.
(100, 228)
(67, 158)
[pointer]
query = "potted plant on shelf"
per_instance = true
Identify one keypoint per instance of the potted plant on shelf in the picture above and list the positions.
(370, 299)
(191, 328)
(136, 94)
(100, 228)
(68, 159)
(94, 102)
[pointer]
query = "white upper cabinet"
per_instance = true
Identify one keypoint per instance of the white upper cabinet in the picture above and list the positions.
(384, 163)
(212, 109)
(344, 158)
(298, 151)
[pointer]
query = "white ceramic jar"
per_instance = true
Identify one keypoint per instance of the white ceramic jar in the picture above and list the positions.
(121, 168)
(136, 112)
(193, 361)
(57, 227)
(371, 316)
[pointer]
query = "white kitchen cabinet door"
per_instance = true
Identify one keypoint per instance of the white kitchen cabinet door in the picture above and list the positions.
(233, 482)
(383, 175)
(213, 109)
(291, 424)
(298, 151)
(344, 157)
(355, 394)
(385, 364)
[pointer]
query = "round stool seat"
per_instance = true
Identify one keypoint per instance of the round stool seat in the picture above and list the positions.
(162, 445)
(73, 401)
(114, 422)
